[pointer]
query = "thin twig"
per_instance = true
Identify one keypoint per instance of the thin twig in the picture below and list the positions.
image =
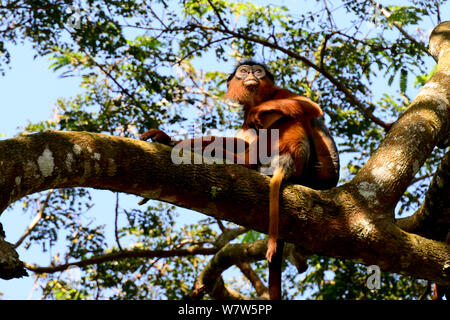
(386, 13)
(35, 221)
(222, 23)
(116, 216)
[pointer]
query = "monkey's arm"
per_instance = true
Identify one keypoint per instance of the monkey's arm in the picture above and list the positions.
(284, 103)
(326, 169)
(292, 105)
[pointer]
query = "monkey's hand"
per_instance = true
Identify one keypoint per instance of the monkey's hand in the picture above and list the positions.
(263, 118)
(157, 136)
(254, 119)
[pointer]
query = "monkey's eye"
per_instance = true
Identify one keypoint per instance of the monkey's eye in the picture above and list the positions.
(259, 72)
(242, 69)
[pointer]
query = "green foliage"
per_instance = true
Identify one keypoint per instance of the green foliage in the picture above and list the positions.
(250, 236)
(163, 64)
(332, 279)
(405, 15)
(423, 78)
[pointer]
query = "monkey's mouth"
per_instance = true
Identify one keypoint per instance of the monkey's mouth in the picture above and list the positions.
(251, 83)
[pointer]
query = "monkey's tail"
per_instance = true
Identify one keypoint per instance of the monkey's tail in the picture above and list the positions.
(274, 197)
(274, 252)
(275, 272)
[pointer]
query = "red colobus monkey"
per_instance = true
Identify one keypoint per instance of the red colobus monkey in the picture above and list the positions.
(307, 153)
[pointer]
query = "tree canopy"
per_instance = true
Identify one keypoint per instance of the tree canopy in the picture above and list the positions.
(164, 64)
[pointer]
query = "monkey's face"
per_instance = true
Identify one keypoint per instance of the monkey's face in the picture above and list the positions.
(249, 85)
(250, 76)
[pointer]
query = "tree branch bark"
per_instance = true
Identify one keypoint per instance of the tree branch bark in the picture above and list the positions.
(337, 222)
(432, 220)
(10, 264)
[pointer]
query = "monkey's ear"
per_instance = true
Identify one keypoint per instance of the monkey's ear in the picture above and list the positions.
(310, 108)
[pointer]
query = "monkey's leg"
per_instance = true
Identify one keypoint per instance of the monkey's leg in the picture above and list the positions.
(157, 136)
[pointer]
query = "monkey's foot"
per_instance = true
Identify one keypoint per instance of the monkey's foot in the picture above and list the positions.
(156, 135)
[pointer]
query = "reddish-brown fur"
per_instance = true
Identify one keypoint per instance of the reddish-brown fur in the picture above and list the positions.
(249, 97)
(269, 107)
(293, 141)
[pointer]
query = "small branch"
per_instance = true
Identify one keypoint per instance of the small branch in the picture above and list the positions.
(426, 176)
(216, 11)
(35, 221)
(386, 13)
(329, 15)
(229, 235)
(438, 10)
(122, 255)
(202, 48)
(323, 49)
(232, 254)
(157, 17)
(427, 291)
(108, 74)
(260, 288)
(116, 217)
(221, 225)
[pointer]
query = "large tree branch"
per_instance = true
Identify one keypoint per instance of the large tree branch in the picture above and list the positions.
(388, 173)
(354, 221)
(333, 222)
(432, 220)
